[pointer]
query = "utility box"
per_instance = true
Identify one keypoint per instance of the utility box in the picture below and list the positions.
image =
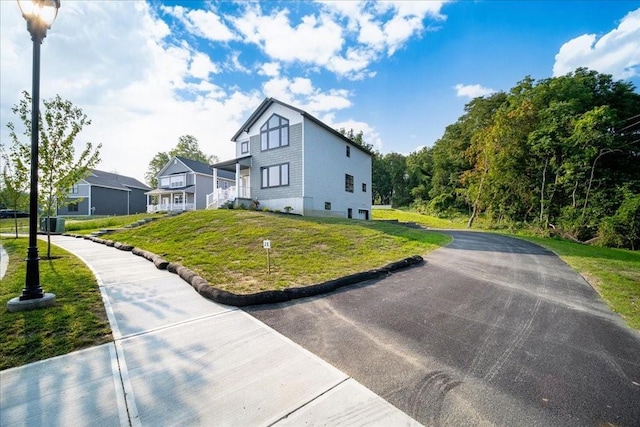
(52, 224)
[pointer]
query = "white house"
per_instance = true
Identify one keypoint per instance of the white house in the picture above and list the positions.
(288, 160)
(183, 185)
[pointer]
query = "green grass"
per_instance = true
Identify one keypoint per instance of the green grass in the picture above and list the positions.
(8, 225)
(87, 225)
(78, 320)
(225, 246)
(614, 273)
(424, 220)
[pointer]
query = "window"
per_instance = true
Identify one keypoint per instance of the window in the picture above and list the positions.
(348, 183)
(274, 133)
(164, 181)
(275, 176)
(349, 213)
(364, 187)
(177, 199)
(244, 147)
(73, 207)
(327, 206)
(74, 190)
(348, 151)
(177, 181)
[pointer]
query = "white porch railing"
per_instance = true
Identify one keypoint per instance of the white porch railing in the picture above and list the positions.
(168, 207)
(220, 196)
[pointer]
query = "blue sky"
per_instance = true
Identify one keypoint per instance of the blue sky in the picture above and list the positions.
(148, 72)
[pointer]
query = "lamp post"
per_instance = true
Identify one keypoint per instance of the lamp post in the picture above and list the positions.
(39, 15)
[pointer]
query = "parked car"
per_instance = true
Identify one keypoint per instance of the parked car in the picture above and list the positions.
(10, 213)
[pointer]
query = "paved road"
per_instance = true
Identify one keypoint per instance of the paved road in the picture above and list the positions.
(491, 331)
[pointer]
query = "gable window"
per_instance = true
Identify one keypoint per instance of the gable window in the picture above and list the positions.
(74, 189)
(348, 183)
(275, 176)
(244, 147)
(364, 187)
(177, 181)
(348, 151)
(274, 133)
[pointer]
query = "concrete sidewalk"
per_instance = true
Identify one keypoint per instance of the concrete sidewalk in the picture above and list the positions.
(180, 359)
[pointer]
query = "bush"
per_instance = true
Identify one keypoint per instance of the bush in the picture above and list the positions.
(623, 229)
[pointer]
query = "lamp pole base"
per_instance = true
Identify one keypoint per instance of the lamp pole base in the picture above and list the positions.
(15, 304)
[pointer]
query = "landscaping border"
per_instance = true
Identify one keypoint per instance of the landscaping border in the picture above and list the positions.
(266, 297)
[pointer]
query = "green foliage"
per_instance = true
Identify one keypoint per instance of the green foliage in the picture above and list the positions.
(15, 181)
(623, 229)
(58, 166)
(549, 152)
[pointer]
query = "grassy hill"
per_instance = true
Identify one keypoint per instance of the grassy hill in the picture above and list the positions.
(225, 246)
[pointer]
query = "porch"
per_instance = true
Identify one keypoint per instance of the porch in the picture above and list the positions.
(163, 200)
(222, 196)
(169, 207)
(241, 170)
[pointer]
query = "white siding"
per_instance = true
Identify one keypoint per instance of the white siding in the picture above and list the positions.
(325, 166)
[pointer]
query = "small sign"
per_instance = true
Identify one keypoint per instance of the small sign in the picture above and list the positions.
(266, 244)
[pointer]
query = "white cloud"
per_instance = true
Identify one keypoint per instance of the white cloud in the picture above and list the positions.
(202, 23)
(270, 69)
(472, 91)
(313, 41)
(369, 133)
(113, 60)
(616, 53)
(201, 66)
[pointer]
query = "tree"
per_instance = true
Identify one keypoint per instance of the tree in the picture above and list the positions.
(15, 181)
(357, 138)
(187, 147)
(58, 168)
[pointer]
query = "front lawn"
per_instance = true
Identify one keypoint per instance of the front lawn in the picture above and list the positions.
(78, 320)
(225, 247)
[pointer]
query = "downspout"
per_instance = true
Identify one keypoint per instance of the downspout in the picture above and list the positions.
(215, 186)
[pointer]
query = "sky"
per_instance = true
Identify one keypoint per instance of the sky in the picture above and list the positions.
(148, 72)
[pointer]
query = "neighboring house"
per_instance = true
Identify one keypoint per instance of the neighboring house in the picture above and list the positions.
(106, 193)
(288, 160)
(183, 185)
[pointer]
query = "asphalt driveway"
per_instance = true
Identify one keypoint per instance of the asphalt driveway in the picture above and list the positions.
(490, 331)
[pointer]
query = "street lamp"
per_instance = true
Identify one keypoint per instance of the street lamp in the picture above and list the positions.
(39, 15)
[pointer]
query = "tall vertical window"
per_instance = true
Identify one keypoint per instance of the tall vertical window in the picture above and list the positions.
(364, 187)
(348, 151)
(348, 183)
(274, 133)
(275, 176)
(244, 147)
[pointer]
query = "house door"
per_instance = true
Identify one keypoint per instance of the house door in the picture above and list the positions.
(244, 187)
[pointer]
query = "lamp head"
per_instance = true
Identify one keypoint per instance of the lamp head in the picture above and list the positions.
(39, 15)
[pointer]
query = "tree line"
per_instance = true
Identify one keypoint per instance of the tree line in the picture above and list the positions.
(561, 153)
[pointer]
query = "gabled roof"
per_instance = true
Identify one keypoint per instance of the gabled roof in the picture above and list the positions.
(269, 101)
(100, 178)
(195, 165)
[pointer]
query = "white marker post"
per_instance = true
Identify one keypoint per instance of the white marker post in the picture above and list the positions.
(267, 245)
